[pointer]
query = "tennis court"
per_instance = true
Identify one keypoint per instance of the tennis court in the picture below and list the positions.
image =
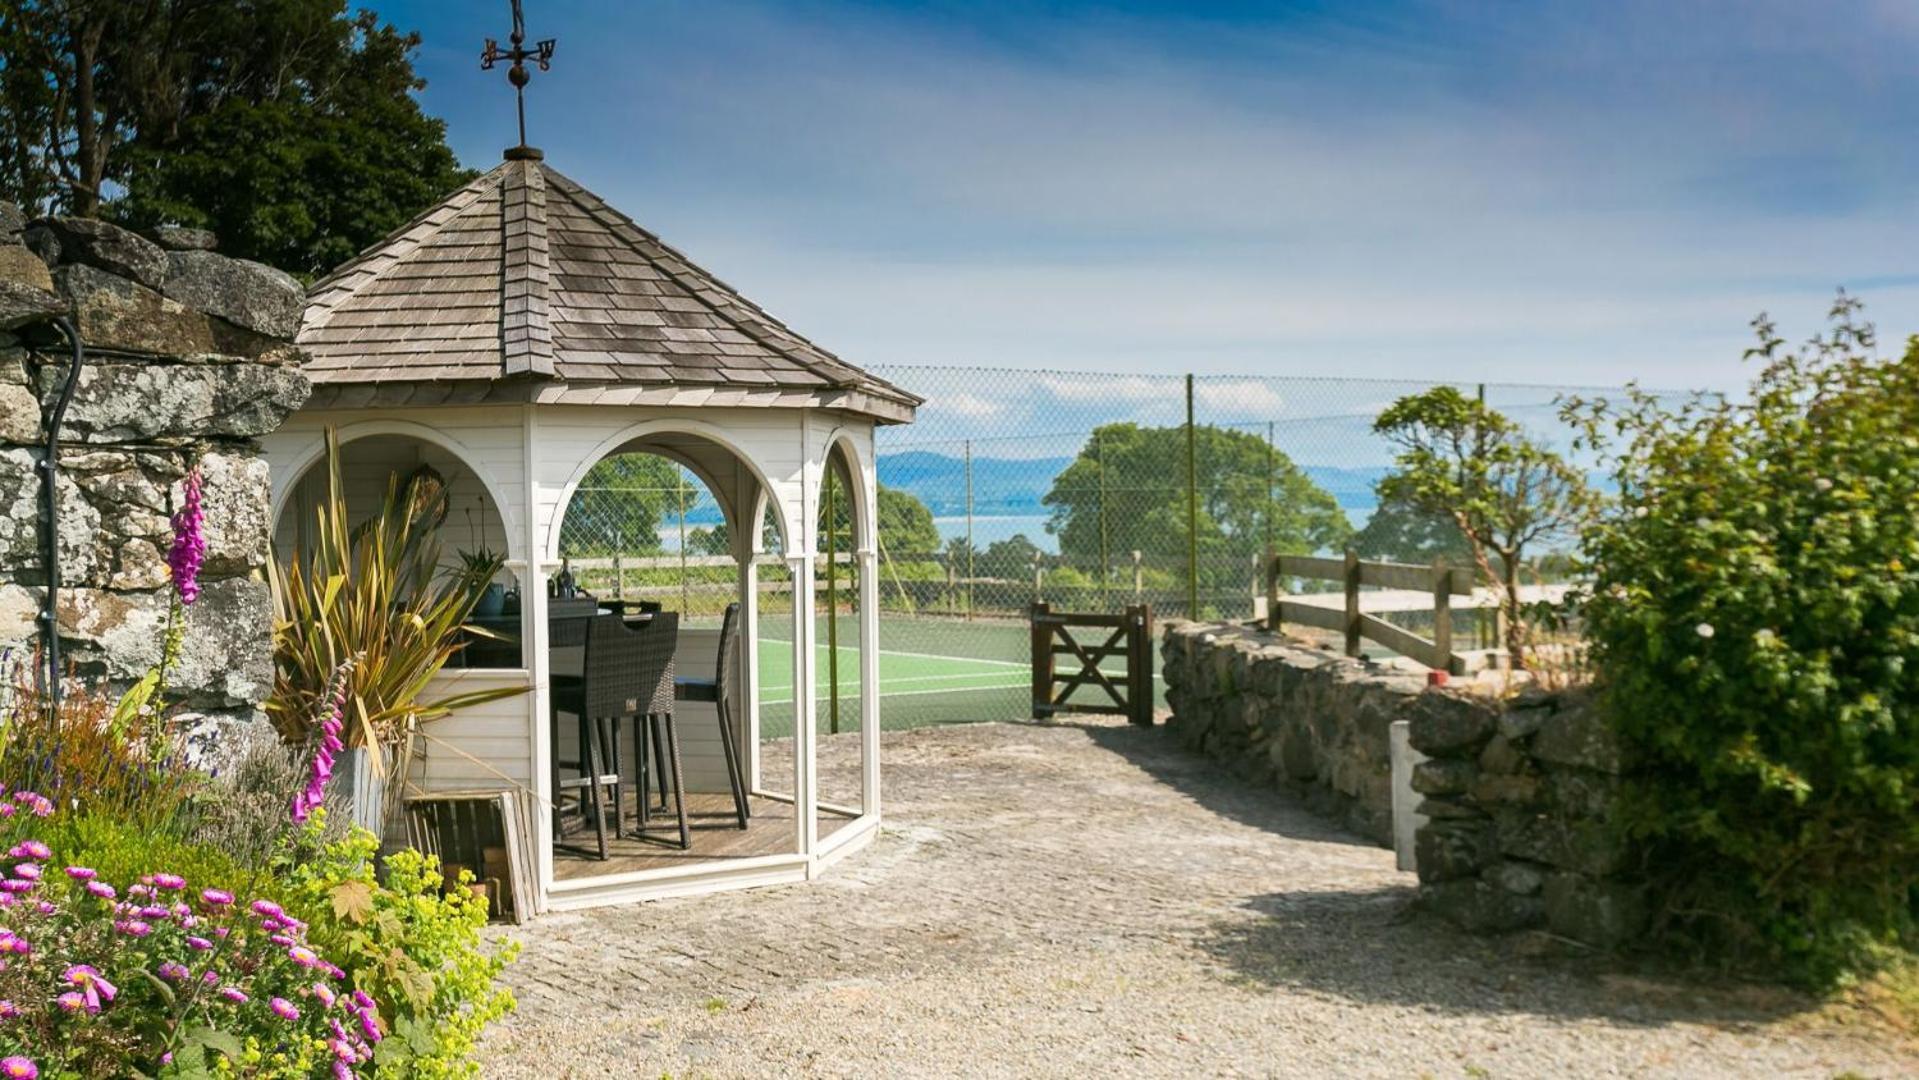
(932, 671)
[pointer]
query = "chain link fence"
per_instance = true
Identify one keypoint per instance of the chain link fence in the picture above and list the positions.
(1090, 491)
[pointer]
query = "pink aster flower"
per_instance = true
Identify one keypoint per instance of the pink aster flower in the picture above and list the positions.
(284, 1009)
(45, 907)
(325, 994)
(189, 548)
(303, 956)
(8, 1010)
(267, 909)
(7, 809)
(134, 927)
(173, 971)
(170, 881)
(93, 985)
(15, 885)
(199, 944)
(30, 849)
(82, 873)
(234, 994)
(216, 897)
(71, 1001)
(101, 889)
(19, 1068)
(27, 871)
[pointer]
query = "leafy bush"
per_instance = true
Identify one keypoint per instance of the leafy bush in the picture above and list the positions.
(1755, 623)
(410, 942)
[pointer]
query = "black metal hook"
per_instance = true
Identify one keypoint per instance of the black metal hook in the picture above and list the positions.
(50, 492)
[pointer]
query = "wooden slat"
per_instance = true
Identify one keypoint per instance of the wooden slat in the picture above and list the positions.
(1401, 641)
(1383, 575)
(1317, 617)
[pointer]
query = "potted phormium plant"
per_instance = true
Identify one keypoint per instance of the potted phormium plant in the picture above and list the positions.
(377, 595)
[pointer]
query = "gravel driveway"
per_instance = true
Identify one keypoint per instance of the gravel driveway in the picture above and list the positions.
(1087, 900)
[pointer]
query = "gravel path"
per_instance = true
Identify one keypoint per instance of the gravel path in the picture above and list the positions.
(1089, 900)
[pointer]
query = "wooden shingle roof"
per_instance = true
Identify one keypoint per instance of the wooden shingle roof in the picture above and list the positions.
(524, 277)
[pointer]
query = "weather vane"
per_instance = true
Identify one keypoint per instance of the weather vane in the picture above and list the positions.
(541, 53)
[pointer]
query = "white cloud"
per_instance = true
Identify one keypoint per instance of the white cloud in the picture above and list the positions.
(971, 406)
(1239, 397)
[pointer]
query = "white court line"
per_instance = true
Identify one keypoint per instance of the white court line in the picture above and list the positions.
(916, 655)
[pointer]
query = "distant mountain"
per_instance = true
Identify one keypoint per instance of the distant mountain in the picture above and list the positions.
(1016, 485)
(1000, 485)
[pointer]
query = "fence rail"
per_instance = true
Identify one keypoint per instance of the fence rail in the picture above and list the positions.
(1441, 580)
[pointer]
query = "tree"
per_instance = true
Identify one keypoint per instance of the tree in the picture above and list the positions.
(1009, 559)
(1126, 492)
(620, 504)
(289, 128)
(906, 525)
(1505, 491)
(1400, 532)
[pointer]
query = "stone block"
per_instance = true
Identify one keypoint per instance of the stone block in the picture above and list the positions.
(116, 314)
(1295, 755)
(226, 657)
(235, 492)
(71, 241)
(1523, 878)
(1492, 789)
(1586, 846)
(1449, 725)
(1442, 808)
(142, 402)
(243, 292)
(1581, 793)
(1481, 908)
(19, 414)
(26, 290)
(19, 265)
(1501, 756)
(182, 238)
(12, 221)
(1605, 914)
(1578, 735)
(1443, 776)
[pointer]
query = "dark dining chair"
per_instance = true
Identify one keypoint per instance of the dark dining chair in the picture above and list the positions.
(719, 692)
(652, 716)
(595, 769)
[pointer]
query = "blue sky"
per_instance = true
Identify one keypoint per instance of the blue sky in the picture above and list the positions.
(1525, 192)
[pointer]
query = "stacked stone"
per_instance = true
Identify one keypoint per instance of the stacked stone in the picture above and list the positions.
(1518, 801)
(189, 359)
(1306, 721)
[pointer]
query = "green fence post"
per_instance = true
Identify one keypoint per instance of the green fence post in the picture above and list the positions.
(969, 530)
(1105, 569)
(1192, 507)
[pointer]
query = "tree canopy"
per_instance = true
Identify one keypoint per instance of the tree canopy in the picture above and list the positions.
(1401, 532)
(1505, 492)
(289, 128)
(1249, 493)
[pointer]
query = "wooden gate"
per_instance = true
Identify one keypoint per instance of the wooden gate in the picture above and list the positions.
(1130, 639)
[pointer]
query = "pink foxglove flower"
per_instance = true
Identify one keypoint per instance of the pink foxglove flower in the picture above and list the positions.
(313, 796)
(189, 547)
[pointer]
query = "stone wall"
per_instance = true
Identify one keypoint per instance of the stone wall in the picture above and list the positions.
(1304, 720)
(1519, 801)
(1516, 795)
(188, 360)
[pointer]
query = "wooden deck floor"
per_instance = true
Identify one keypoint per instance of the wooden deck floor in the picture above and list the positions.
(715, 832)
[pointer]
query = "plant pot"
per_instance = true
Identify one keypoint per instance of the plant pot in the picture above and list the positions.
(492, 602)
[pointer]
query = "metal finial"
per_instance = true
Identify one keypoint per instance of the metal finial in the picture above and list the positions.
(541, 53)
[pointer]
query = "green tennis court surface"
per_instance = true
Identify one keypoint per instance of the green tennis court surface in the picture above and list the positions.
(931, 672)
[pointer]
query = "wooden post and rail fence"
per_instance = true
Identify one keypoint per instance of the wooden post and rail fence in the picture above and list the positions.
(1440, 579)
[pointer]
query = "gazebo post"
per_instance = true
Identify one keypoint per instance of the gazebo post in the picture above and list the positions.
(534, 652)
(805, 767)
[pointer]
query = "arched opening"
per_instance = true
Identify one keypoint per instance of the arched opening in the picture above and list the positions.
(842, 528)
(473, 525)
(658, 524)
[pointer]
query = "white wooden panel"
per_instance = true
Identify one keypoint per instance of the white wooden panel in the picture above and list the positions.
(483, 746)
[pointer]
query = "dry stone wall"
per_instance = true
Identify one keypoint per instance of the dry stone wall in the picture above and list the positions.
(188, 361)
(1516, 796)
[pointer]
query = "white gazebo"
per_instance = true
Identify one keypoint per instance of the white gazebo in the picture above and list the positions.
(513, 336)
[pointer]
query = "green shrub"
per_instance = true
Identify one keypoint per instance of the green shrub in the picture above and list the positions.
(408, 941)
(1755, 623)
